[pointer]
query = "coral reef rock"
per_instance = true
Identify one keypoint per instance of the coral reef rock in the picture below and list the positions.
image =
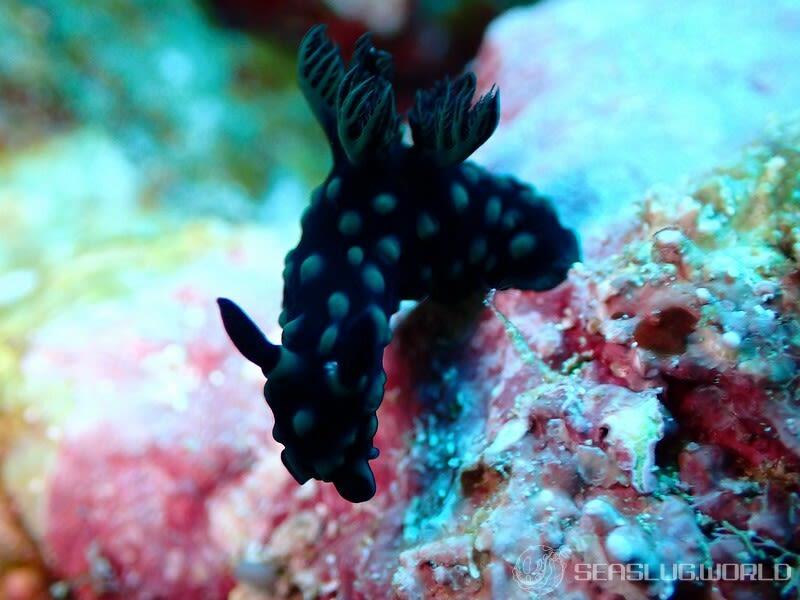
(599, 103)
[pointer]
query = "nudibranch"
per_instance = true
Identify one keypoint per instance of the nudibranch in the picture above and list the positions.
(392, 221)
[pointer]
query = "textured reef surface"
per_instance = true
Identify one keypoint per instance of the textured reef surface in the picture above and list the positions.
(643, 413)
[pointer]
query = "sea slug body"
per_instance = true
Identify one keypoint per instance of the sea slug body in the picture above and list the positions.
(391, 222)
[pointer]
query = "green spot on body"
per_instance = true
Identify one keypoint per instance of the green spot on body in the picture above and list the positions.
(504, 182)
(288, 270)
(459, 197)
(426, 273)
(338, 305)
(527, 195)
(510, 219)
(288, 364)
(326, 466)
(311, 268)
(304, 218)
(521, 244)
(389, 248)
(349, 223)
(426, 226)
(332, 191)
(456, 269)
(348, 439)
(493, 209)
(383, 204)
(328, 339)
(381, 323)
(291, 331)
(372, 427)
(355, 255)
(374, 396)
(303, 422)
(477, 250)
(471, 173)
(373, 279)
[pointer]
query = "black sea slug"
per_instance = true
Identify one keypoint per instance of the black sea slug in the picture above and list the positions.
(391, 222)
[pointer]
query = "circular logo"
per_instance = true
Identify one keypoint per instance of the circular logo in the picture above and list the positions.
(539, 569)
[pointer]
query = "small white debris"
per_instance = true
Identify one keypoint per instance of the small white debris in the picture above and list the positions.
(509, 434)
(703, 295)
(731, 339)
